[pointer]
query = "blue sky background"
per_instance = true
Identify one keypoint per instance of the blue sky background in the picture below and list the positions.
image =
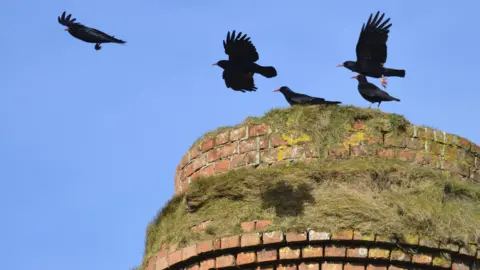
(89, 140)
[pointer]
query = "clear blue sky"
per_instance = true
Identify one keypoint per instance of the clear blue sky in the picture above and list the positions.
(89, 140)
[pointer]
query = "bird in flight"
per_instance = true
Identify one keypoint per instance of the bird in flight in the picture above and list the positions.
(371, 92)
(87, 34)
(372, 51)
(294, 98)
(240, 67)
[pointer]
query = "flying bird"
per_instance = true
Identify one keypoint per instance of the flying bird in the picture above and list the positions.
(294, 98)
(240, 67)
(371, 92)
(372, 51)
(87, 34)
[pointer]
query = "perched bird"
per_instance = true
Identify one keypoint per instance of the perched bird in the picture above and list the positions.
(87, 34)
(240, 67)
(302, 99)
(372, 51)
(371, 92)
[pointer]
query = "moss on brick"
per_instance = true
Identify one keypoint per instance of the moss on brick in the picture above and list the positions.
(386, 197)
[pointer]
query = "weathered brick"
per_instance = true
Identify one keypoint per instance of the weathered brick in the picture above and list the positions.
(188, 252)
(217, 244)
(265, 267)
(410, 239)
(246, 258)
(458, 265)
(190, 169)
(262, 224)
(213, 155)
(379, 253)
(238, 134)
(295, 237)
(269, 155)
(248, 145)
(332, 266)
(312, 251)
(359, 125)
(414, 144)
(225, 261)
(184, 185)
(228, 149)
(207, 171)
(277, 140)
(334, 251)
(195, 176)
(289, 253)
(393, 267)
(207, 145)
(450, 246)
(400, 255)
(204, 246)
(386, 153)
(238, 161)
(359, 151)
(185, 160)
(338, 152)
(207, 264)
(318, 236)
(406, 155)
(376, 267)
(161, 264)
(427, 241)
(222, 138)
(384, 239)
(257, 130)
(343, 235)
(174, 257)
(248, 226)
(443, 260)
(363, 236)
(267, 255)
(251, 239)
(222, 166)
(230, 242)
(262, 143)
(272, 237)
(394, 140)
(350, 266)
(199, 162)
(469, 250)
(286, 267)
(309, 266)
(359, 252)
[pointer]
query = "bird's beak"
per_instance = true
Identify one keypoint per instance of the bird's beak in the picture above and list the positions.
(278, 90)
(66, 29)
(354, 77)
(216, 64)
(341, 65)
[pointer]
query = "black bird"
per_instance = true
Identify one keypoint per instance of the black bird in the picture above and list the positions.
(302, 99)
(87, 34)
(371, 92)
(372, 51)
(240, 67)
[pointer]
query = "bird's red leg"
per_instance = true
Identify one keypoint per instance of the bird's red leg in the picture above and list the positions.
(384, 81)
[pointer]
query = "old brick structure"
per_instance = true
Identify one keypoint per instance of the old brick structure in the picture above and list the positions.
(257, 247)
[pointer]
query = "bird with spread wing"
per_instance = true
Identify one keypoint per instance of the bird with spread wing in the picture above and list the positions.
(240, 67)
(87, 34)
(372, 51)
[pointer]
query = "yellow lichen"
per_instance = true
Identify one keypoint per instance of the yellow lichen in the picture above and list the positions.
(354, 139)
(296, 138)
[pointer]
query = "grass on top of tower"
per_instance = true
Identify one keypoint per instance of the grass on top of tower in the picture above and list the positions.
(326, 125)
(386, 197)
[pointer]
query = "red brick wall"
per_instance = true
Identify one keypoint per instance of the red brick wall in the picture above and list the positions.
(346, 249)
(260, 146)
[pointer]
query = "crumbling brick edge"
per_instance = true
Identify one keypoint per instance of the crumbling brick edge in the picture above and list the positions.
(346, 249)
(258, 146)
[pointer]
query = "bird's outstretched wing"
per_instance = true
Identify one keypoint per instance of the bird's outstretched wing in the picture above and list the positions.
(66, 21)
(239, 81)
(372, 42)
(101, 36)
(301, 99)
(239, 48)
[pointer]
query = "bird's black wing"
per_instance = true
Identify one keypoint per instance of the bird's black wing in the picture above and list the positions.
(66, 21)
(372, 42)
(301, 98)
(239, 48)
(99, 35)
(239, 81)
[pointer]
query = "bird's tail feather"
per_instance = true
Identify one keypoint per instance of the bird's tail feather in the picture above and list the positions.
(116, 40)
(323, 101)
(268, 72)
(390, 72)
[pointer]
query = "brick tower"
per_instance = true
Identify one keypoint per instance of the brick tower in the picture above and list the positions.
(322, 188)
